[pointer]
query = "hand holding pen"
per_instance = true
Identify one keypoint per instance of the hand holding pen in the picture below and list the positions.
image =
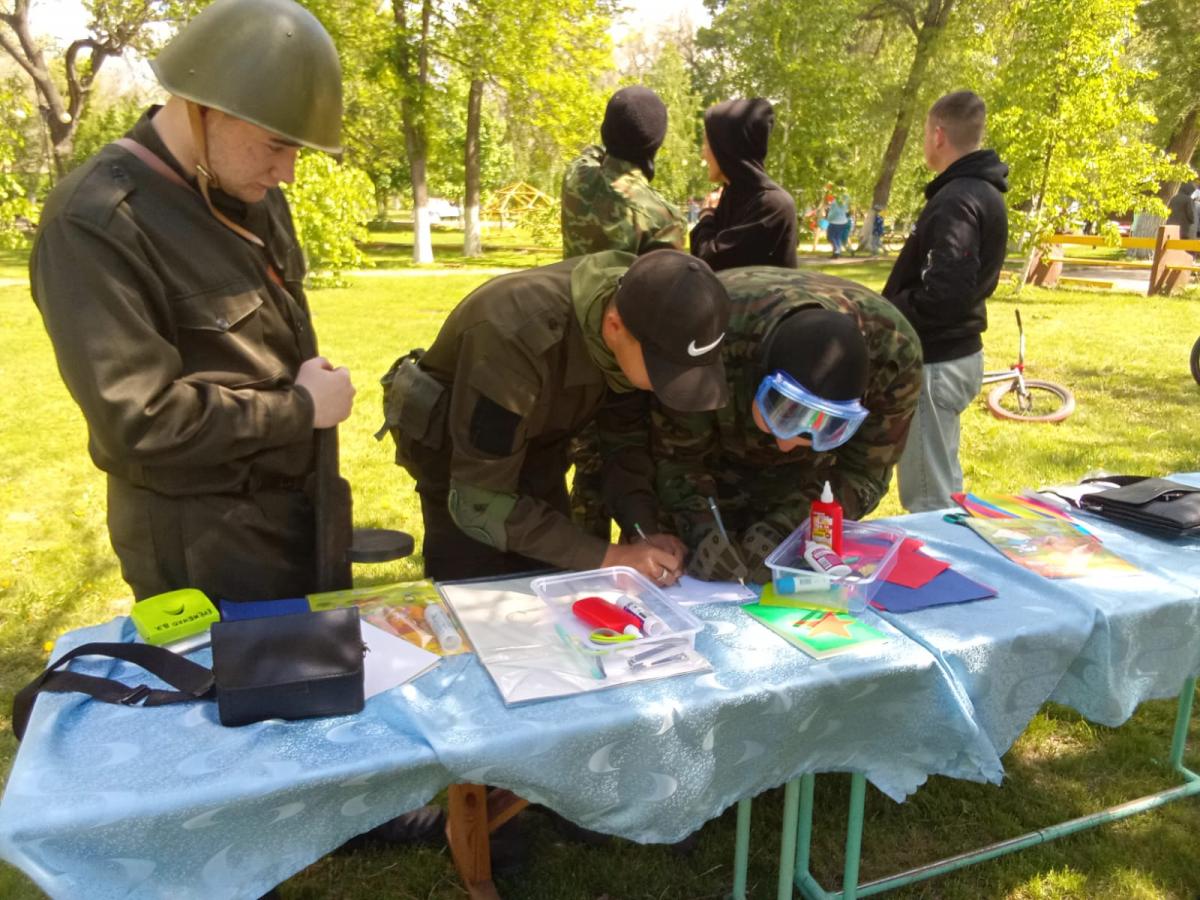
(659, 565)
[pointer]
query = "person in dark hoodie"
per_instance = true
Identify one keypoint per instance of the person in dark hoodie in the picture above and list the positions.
(754, 223)
(948, 268)
(1182, 211)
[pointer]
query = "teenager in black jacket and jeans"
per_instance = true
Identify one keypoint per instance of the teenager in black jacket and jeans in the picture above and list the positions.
(948, 268)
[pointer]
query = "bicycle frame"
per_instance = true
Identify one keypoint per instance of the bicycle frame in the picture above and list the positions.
(1017, 372)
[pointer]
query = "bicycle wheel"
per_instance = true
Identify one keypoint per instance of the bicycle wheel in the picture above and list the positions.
(1046, 402)
(1196, 360)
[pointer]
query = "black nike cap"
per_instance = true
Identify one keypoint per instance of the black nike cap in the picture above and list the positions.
(675, 306)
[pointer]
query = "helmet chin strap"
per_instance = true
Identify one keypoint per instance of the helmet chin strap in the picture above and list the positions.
(205, 177)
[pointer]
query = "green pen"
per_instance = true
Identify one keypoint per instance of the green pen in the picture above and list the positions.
(641, 534)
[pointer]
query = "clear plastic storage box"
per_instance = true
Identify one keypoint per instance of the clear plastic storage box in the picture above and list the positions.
(869, 550)
(669, 623)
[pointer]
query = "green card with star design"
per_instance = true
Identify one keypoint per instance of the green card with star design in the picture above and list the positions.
(818, 632)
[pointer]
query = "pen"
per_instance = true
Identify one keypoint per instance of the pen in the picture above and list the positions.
(712, 504)
(641, 533)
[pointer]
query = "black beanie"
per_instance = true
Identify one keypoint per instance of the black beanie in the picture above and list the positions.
(821, 349)
(635, 123)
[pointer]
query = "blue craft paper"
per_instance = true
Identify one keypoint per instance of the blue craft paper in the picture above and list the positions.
(261, 609)
(946, 588)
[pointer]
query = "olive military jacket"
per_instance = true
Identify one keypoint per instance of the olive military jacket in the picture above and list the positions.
(724, 454)
(608, 204)
(178, 347)
(525, 369)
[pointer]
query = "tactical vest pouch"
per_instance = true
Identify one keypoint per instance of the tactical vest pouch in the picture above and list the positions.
(297, 666)
(414, 405)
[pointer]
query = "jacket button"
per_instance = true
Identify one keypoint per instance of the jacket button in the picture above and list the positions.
(223, 323)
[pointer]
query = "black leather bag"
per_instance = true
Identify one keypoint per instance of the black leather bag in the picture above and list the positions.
(296, 666)
(1150, 504)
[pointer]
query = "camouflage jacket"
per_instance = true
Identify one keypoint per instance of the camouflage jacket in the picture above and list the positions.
(607, 204)
(724, 455)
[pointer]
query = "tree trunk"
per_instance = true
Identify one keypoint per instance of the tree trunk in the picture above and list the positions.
(936, 14)
(415, 81)
(472, 241)
(1182, 147)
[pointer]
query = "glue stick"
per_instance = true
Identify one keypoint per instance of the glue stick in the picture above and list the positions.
(443, 629)
(824, 560)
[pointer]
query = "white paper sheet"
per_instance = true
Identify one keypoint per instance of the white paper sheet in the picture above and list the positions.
(690, 591)
(391, 661)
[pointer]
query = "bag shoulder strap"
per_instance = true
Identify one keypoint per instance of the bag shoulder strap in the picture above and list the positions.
(157, 164)
(191, 680)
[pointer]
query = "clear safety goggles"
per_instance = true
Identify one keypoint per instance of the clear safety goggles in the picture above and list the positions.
(790, 410)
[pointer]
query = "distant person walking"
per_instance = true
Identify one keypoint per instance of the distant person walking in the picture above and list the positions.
(838, 229)
(753, 223)
(948, 268)
(877, 233)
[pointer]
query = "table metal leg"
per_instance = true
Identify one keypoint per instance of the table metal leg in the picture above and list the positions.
(854, 827)
(851, 890)
(741, 849)
(787, 839)
(804, 828)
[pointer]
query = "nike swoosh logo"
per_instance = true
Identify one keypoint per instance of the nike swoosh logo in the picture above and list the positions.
(693, 350)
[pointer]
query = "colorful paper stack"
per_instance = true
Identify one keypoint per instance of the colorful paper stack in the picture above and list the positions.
(918, 581)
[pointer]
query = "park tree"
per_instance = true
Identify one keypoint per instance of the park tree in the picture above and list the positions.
(925, 20)
(17, 208)
(1068, 119)
(537, 54)
(331, 204)
(63, 85)
(1169, 44)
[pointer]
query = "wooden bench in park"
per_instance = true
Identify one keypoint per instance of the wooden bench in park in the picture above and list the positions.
(1171, 264)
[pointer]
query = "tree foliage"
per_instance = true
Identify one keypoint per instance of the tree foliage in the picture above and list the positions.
(1067, 117)
(64, 90)
(331, 205)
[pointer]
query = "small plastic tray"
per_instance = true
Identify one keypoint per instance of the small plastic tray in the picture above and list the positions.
(869, 550)
(676, 626)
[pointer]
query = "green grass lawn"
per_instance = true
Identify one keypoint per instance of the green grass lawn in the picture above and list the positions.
(1126, 358)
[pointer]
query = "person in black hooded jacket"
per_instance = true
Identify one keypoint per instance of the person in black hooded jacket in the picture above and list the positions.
(754, 224)
(948, 268)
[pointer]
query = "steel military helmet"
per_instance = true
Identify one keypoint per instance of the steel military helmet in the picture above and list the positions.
(269, 62)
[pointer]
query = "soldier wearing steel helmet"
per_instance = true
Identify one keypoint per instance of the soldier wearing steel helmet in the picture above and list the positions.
(168, 274)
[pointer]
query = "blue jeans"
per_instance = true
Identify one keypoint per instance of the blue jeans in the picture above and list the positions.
(929, 470)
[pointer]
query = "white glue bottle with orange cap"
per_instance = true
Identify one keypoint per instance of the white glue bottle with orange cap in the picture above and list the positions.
(825, 521)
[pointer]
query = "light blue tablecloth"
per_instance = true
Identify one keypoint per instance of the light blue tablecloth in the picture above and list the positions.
(105, 801)
(1099, 645)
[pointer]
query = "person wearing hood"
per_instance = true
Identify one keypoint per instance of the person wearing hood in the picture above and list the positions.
(754, 223)
(948, 268)
(608, 204)
(1182, 211)
(607, 200)
(482, 421)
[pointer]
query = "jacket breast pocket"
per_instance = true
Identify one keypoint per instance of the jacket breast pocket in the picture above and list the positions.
(222, 339)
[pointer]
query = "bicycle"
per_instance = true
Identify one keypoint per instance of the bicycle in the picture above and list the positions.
(1022, 399)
